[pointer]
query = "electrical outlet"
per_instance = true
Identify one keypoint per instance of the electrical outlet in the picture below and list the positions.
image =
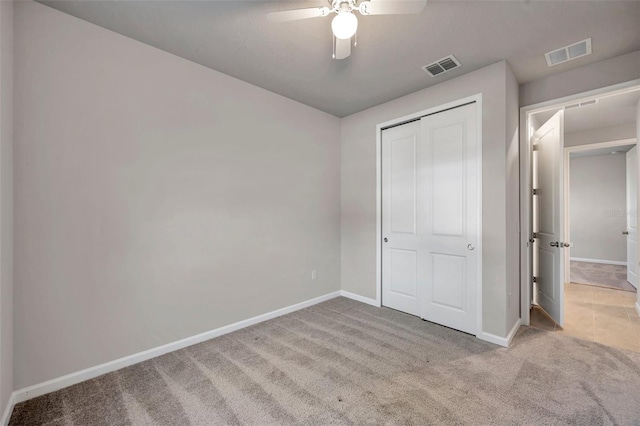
(313, 274)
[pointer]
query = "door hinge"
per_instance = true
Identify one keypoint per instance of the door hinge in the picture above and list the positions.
(534, 147)
(535, 191)
(535, 279)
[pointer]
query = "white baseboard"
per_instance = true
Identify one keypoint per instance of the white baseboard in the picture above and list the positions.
(514, 331)
(607, 262)
(367, 300)
(501, 341)
(6, 415)
(92, 372)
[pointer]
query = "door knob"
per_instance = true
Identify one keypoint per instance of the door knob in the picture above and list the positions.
(625, 232)
(555, 244)
(566, 244)
(470, 247)
(385, 240)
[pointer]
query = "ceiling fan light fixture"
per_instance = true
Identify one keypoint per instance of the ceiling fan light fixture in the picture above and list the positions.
(344, 25)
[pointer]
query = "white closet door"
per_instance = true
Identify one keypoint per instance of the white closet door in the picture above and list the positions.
(450, 226)
(430, 215)
(401, 270)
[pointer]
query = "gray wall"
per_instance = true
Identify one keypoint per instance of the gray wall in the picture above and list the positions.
(154, 198)
(359, 185)
(589, 77)
(6, 202)
(597, 205)
(601, 134)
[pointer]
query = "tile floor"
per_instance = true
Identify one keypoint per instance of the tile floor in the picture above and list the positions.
(601, 315)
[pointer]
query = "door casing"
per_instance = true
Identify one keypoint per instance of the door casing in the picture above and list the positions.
(477, 99)
(525, 179)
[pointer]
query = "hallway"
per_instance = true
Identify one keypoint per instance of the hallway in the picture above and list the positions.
(600, 315)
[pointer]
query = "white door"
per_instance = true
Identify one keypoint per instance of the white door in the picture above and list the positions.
(451, 172)
(430, 211)
(548, 226)
(401, 245)
(632, 206)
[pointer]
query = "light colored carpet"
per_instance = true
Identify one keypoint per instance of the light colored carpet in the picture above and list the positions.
(600, 275)
(343, 362)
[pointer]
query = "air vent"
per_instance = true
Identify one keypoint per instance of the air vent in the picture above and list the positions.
(590, 102)
(583, 103)
(443, 65)
(568, 53)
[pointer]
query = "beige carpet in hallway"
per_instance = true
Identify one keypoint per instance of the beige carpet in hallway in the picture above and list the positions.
(343, 362)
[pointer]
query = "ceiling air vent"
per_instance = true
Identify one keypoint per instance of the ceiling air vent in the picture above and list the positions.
(572, 106)
(568, 53)
(441, 66)
(583, 103)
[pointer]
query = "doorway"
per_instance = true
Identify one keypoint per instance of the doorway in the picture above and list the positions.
(579, 274)
(601, 201)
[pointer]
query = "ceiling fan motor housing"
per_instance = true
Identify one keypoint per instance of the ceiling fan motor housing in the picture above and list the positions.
(338, 6)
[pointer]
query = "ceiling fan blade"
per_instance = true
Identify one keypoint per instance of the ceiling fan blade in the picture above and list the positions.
(293, 15)
(392, 7)
(342, 47)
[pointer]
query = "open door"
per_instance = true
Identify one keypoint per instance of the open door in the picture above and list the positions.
(632, 230)
(548, 225)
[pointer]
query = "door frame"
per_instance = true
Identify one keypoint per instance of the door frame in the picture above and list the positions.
(412, 117)
(567, 196)
(525, 178)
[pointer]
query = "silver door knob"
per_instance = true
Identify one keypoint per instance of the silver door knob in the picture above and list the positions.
(555, 244)
(470, 247)
(566, 244)
(625, 232)
(385, 240)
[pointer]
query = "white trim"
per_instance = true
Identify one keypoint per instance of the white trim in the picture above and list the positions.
(525, 217)
(606, 262)
(367, 300)
(610, 144)
(502, 341)
(479, 218)
(638, 307)
(89, 373)
(478, 100)
(525, 183)
(8, 410)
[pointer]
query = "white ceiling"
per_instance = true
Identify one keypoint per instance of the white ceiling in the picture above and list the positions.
(609, 111)
(294, 58)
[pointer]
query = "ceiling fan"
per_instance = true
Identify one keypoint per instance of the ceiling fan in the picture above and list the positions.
(345, 23)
